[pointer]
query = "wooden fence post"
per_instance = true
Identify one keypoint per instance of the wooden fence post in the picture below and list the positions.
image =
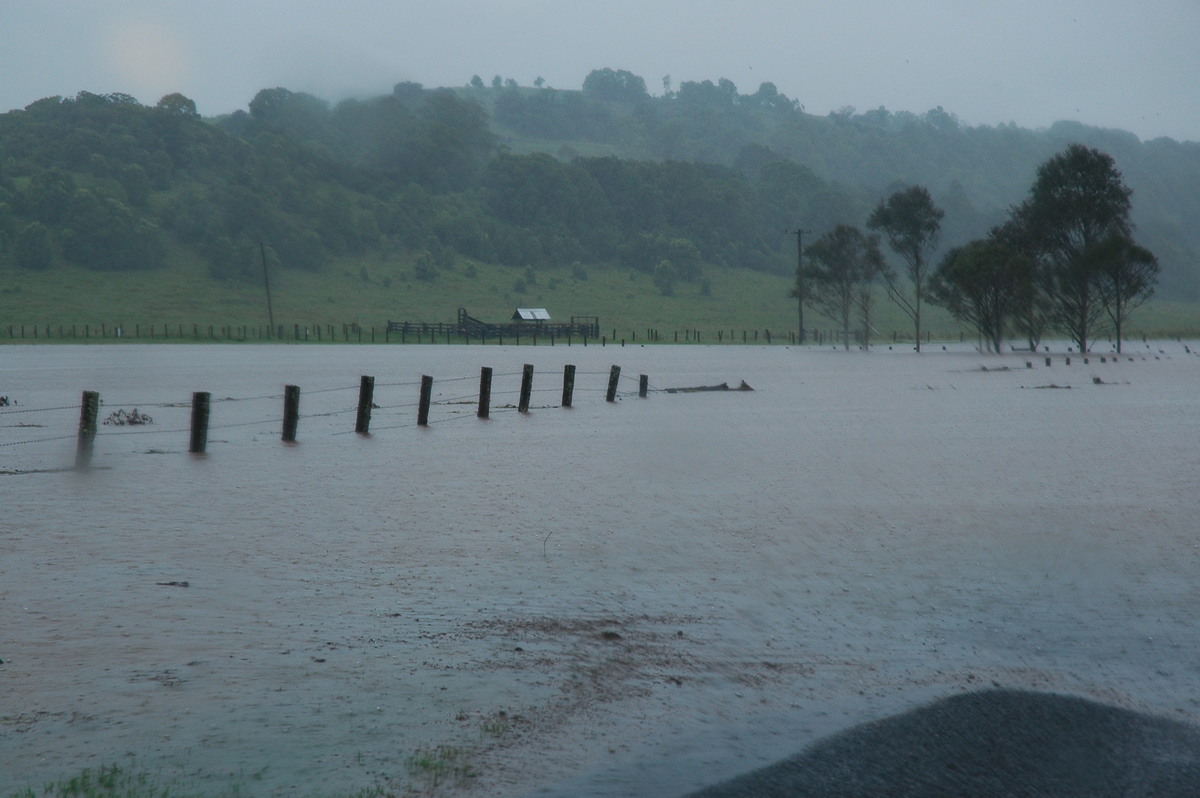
(88, 408)
(568, 385)
(613, 375)
(423, 407)
(366, 392)
(199, 440)
(291, 412)
(643, 386)
(526, 388)
(485, 391)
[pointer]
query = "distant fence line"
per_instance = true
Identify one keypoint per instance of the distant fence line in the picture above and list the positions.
(432, 333)
(289, 420)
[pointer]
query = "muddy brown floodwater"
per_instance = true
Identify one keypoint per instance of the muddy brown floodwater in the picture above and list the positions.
(629, 598)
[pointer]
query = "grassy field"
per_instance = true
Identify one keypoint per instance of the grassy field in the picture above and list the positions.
(370, 292)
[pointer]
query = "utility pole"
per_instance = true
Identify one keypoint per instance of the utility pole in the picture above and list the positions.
(798, 291)
(267, 282)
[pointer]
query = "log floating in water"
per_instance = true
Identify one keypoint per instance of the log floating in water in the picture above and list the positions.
(722, 387)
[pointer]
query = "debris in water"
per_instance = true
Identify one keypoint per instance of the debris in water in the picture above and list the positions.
(120, 418)
(722, 387)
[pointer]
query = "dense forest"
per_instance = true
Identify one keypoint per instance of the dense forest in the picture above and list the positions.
(697, 178)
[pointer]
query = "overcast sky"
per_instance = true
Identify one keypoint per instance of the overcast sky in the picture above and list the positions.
(1112, 63)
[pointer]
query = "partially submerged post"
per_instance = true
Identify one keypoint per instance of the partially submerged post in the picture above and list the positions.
(423, 407)
(198, 443)
(88, 409)
(643, 386)
(568, 385)
(526, 388)
(485, 391)
(366, 393)
(613, 376)
(291, 412)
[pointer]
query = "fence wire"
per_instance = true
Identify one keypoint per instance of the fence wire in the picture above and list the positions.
(462, 399)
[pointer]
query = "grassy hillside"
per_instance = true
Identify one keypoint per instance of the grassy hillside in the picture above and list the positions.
(371, 291)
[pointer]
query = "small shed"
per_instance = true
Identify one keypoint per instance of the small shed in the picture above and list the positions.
(531, 314)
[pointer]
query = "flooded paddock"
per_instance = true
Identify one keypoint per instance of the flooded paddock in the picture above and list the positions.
(636, 597)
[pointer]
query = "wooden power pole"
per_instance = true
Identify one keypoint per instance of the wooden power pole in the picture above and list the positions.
(799, 289)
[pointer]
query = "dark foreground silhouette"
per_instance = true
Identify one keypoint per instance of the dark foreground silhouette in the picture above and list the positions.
(991, 743)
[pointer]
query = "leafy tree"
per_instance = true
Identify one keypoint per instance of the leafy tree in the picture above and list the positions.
(104, 234)
(1126, 275)
(841, 268)
(789, 194)
(456, 137)
(436, 139)
(938, 119)
(768, 97)
(910, 222)
(1031, 318)
(177, 105)
(1076, 219)
(34, 249)
(300, 114)
(619, 85)
(665, 277)
(983, 283)
(552, 114)
(1072, 291)
(646, 253)
(48, 195)
(136, 182)
(426, 268)
(8, 219)
(722, 94)
(539, 191)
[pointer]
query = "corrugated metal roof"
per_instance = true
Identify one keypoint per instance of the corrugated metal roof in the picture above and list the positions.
(532, 314)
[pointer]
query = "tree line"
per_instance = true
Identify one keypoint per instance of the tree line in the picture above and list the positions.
(975, 173)
(104, 182)
(1065, 260)
(697, 179)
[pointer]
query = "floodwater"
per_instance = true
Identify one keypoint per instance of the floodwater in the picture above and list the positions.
(628, 598)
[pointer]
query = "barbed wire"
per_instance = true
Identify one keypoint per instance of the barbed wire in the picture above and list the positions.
(37, 410)
(460, 399)
(39, 440)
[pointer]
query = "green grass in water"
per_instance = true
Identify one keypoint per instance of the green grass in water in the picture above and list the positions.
(113, 781)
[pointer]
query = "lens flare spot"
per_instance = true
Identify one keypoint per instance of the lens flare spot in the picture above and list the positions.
(149, 56)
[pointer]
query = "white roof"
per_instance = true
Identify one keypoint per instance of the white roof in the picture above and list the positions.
(532, 314)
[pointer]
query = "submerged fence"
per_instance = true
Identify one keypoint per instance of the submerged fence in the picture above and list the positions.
(288, 422)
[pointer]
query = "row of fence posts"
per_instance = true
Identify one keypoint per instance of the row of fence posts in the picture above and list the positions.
(301, 333)
(198, 440)
(201, 401)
